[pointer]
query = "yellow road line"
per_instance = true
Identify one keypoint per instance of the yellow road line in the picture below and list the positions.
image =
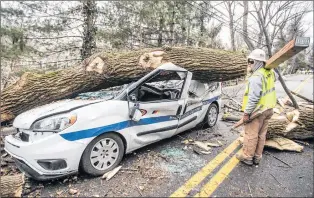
(205, 171)
(219, 177)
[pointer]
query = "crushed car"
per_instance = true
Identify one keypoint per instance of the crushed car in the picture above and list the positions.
(64, 137)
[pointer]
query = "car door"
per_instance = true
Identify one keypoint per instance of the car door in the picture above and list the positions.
(192, 109)
(159, 120)
(160, 117)
(189, 117)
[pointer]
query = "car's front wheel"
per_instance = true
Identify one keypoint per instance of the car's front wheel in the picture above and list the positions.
(212, 115)
(102, 154)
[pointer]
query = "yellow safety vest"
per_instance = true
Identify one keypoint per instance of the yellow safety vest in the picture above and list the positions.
(268, 95)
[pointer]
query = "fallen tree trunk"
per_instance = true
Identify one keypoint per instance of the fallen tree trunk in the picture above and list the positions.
(302, 129)
(107, 69)
(297, 124)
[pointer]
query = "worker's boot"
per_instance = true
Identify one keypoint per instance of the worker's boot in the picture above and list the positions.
(243, 160)
(256, 161)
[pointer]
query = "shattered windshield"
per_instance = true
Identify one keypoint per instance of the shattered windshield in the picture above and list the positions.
(104, 94)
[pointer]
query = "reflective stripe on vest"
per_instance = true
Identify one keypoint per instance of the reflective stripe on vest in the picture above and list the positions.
(268, 94)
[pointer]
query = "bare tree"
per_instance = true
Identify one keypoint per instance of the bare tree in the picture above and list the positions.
(230, 6)
(244, 26)
(271, 18)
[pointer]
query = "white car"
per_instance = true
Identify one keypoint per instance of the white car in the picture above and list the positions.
(58, 139)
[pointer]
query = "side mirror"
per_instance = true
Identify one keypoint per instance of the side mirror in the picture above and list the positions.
(133, 97)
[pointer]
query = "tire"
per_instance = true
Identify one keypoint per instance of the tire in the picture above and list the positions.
(211, 115)
(104, 155)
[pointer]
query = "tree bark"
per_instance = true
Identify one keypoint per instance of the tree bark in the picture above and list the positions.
(231, 22)
(160, 31)
(304, 128)
(281, 126)
(172, 24)
(107, 69)
(89, 44)
(11, 186)
(245, 31)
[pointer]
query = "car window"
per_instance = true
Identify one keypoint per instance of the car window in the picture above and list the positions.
(166, 85)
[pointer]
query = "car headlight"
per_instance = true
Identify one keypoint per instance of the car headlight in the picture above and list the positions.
(55, 123)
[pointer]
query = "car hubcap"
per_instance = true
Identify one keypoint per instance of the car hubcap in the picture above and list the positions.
(104, 154)
(212, 116)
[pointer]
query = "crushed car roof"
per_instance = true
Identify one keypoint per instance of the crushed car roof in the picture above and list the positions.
(171, 67)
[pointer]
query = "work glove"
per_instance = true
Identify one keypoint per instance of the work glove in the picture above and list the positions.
(246, 118)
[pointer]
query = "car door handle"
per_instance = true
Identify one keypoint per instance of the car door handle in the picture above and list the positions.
(179, 110)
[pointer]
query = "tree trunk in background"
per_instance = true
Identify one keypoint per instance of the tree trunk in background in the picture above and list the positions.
(160, 31)
(105, 70)
(245, 31)
(89, 34)
(231, 25)
(269, 45)
(172, 24)
(201, 42)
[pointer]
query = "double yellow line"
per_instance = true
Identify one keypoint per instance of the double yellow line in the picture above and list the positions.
(219, 177)
(195, 180)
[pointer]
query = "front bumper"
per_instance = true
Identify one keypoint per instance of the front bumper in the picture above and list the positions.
(28, 154)
(23, 167)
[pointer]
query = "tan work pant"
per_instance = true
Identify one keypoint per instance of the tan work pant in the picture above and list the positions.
(255, 136)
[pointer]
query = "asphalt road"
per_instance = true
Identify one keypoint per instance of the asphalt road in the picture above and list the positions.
(161, 169)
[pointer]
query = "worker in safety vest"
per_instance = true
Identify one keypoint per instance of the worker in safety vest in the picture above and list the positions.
(259, 95)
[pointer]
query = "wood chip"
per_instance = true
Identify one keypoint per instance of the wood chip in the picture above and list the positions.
(283, 144)
(4, 155)
(111, 173)
(212, 144)
(73, 191)
(202, 145)
(59, 192)
(205, 152)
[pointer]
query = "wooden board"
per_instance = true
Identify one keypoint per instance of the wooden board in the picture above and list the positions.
(289, 50)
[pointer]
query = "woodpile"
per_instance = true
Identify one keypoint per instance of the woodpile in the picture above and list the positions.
(302, 128)
(108, 69)
(286, 124)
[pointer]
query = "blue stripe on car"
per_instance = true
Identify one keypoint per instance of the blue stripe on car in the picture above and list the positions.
(77, 135)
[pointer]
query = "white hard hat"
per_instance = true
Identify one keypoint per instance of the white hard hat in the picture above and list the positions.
(258, 54)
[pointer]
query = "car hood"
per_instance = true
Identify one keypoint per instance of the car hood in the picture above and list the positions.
(26, 119)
